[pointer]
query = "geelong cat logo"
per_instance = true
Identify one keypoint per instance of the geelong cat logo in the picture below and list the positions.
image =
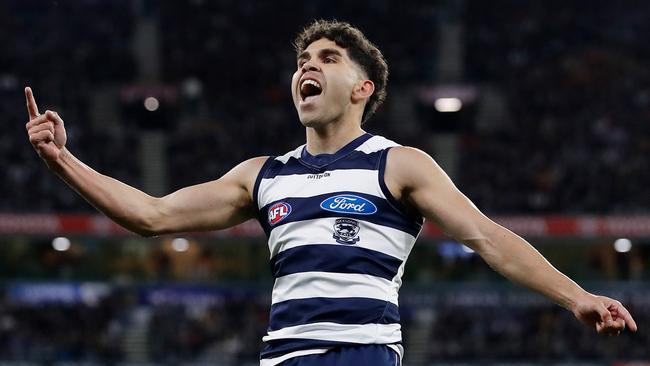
(278, 212)
(346, 231)
(349, 203)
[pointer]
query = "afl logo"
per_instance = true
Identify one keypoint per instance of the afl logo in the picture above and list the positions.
(349, 203)
(278, 212)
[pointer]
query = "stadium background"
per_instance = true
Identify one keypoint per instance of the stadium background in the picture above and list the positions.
(540, 112)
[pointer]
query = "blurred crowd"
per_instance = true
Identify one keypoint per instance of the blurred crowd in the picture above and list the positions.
(62, 331)
(66, 50)
(243, 59)
(228, 333)
(439, 326)
(574, 137)
(575, 79)
(535, 333)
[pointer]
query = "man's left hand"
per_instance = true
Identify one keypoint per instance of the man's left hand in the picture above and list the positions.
(608, 315)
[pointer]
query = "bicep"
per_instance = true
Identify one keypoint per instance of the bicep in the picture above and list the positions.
(214, 205)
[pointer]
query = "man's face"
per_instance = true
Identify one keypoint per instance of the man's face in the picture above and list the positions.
(323, 82)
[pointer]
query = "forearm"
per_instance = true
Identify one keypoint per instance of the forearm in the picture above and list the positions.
(520, 262)
(129, 207)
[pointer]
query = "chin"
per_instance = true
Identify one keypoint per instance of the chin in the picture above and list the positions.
(310, 121)
(315, 120)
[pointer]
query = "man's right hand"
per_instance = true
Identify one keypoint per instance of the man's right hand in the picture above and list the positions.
(46, 131)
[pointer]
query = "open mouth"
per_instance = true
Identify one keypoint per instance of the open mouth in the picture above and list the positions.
(310, 89)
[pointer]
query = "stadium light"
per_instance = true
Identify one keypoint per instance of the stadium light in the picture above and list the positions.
(180, 244)
(448, 104)
(61, 244)
(622, 245)
(151, 104)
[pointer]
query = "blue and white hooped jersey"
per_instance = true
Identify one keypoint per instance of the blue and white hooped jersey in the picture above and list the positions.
(339, 242)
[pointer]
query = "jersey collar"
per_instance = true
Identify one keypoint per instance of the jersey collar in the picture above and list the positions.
(321, 160)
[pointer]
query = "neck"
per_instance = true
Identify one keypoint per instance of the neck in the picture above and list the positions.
(332, 137)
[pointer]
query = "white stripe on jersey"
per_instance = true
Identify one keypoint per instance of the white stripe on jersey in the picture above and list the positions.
(354, 333)
(295, 153)
(376, 143)
(398, 349)
(278, 360)
(305, 285)
(387, 240)
(297, 185)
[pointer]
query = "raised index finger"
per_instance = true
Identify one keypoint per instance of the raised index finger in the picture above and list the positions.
(623, 313)
(32, 109)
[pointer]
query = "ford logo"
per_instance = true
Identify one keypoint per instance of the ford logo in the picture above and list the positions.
(349, 203)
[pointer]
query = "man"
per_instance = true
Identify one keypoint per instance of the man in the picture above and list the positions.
(342, 213)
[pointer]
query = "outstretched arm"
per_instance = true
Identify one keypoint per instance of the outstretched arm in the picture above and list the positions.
(414, 178)
(209, 206)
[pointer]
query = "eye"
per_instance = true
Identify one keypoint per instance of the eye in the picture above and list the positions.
(329, 60)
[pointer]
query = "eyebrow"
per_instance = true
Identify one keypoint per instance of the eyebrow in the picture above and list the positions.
(321, 53)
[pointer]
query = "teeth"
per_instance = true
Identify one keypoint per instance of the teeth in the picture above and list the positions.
(311, 82)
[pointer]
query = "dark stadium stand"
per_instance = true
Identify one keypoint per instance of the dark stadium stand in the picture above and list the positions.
(218, 325)
(574, 82)
(577, 105)
(86, 47)
(577, 80)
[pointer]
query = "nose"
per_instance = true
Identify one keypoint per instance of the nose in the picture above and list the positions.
(309, 66)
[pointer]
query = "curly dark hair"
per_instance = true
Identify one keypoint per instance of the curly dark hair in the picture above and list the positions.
(360, 50)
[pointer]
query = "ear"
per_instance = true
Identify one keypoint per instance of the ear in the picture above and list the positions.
(362, 90)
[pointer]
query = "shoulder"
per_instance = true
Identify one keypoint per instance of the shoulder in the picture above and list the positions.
(246, 172)
(405, 159)
(408, 168)
(408, 152)
(251, 166)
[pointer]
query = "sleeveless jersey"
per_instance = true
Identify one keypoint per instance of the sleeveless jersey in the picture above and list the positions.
(338, 242)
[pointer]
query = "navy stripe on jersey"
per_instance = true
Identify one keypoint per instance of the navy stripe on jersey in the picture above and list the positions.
(308, 208)
(355, 160)
(280, 347)
(357, 310)
(370, 354)
(334, 258)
